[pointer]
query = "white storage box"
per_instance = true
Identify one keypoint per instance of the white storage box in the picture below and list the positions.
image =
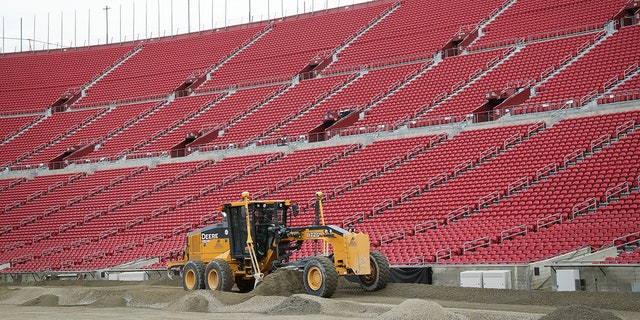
(471, 279)
(496, 279)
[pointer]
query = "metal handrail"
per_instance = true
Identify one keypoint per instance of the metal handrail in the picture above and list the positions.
(457, 213)
(518, 184)
(616, 190)
(388, 237)
(357, 217)
(512, 232)
(583, 207)
(431, 224)
(476, 243)
(545, 221)
(386, 203)
(439, 256)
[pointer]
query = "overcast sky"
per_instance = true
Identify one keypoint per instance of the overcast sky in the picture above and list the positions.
(52, 23)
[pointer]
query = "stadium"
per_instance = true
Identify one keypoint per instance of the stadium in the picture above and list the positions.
(494, 139)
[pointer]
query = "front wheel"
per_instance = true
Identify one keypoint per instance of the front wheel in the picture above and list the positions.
(320, 277)
(379, 276)
(193, 275)
(218, 276)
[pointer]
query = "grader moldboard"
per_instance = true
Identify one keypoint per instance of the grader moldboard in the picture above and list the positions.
(254, 240)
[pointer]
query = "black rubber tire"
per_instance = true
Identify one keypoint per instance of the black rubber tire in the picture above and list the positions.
(193, 275)
(245, 285)
(379, 276)
(218, 276)
(320, 277)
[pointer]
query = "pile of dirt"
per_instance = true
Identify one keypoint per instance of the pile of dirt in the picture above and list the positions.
(283, 282)
(191, 303)
(46, 300)
(579, 312)
(349, 309)
(109, 300)
(417, 309)
(296, 304)
(255, 304)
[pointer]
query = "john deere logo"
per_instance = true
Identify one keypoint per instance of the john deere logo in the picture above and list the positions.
(353, 242)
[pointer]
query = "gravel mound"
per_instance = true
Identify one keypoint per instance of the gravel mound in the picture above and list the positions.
(579, 312)
(255, 304)
(198, 301)
(190, 304)
(349, 309)
(295, 305)
(109, 300)
(283, 282)
(46, 300)
(415, 309)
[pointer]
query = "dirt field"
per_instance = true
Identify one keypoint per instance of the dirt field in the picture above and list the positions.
(281, 296)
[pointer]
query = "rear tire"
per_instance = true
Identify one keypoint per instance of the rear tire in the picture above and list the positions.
(193, 275)
(320, 277)
(379, 276)
(218, 276)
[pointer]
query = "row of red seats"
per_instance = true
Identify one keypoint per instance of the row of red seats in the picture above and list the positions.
(443, 159)
(31, 189)
(524, 162)
(227, 110)
(166, 117)
(443, 162)
(629, 90)
(525, 65)
(108, 124)
(592, 178)
(351, 171)
(46, 207)
(160, 67)
(297, 42)
(411, 30)
(14, 125)
(281, 109)
(46, 132)
(547, 17)
(442, 79)
(35, 82)
(361, 92)
(591, 72)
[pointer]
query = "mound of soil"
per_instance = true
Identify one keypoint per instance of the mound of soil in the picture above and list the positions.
(46, 300)
(296, 304)
(579, 312)
(417, 309)
(256, 304)
(192, 303)
(109, 300)
(283, 282)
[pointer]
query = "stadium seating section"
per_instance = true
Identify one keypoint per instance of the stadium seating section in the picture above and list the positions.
(249, 103)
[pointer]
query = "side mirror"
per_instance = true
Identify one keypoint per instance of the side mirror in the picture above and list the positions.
(296, 209)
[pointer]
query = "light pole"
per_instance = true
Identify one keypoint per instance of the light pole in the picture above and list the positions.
(106, 12)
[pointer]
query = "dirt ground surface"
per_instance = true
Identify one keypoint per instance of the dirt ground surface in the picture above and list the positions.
(282, 296)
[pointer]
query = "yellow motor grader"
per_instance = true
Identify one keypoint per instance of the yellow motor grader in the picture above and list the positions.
(254, 240)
